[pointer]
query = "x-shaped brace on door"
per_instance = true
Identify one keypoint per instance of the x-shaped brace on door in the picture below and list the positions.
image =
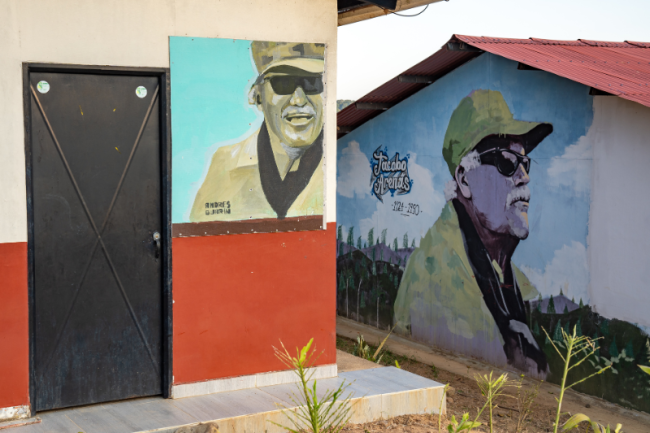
(98, 233)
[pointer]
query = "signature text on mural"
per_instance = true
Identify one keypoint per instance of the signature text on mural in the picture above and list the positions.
(389, 175)
(406, 209)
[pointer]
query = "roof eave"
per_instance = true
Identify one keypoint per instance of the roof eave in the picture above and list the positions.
(363, 13)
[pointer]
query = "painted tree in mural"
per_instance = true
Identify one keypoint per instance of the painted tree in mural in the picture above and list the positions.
(629, 350)
(350, 240)
(604, 327)
(613, 349)
(349, 282)
(359, 243)
(535, 328)
(395, 245)
(550, 309)
(557, 334)
(339, 240)
(405, 242)
(383, 236)
(371, 237)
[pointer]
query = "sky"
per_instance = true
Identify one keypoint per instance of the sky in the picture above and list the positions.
(374, 51)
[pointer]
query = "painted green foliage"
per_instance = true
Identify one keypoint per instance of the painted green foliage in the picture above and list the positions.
(371, 271)
(620, 344)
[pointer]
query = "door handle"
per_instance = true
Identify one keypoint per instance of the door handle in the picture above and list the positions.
(156, 240)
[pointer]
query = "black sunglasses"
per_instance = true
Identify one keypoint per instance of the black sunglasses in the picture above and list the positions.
(505, 160)
(287, 84)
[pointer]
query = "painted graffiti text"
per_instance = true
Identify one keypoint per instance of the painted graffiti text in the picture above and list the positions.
(389, 175)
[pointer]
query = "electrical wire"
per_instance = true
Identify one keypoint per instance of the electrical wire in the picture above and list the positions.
(413, 15)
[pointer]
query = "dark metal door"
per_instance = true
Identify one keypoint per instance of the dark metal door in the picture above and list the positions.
(96, 190)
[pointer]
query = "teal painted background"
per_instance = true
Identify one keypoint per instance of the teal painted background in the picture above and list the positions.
(210, 80)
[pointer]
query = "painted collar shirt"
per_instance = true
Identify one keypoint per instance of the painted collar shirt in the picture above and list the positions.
(233, 183)
(439, 300)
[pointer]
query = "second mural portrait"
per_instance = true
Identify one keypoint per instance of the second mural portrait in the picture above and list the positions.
(466, 206)
(463, 223)
(247, 129)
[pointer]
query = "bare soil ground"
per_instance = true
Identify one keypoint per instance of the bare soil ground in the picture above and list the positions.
(464, 397)
(460, 371)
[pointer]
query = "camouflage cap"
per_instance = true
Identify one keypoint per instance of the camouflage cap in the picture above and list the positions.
(308, 57)
(481, 114)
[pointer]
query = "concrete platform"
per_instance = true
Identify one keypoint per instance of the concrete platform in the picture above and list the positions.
(377, 393)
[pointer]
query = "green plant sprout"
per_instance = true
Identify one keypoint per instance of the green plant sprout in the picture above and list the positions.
(362, 349)
(596, 427)
(464, 424)
(525, 399)
(579, 347)
(327, 414)
(491, 389)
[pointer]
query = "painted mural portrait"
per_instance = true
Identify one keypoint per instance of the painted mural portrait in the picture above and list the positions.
(464, 217)
(276, 171)
(463, 265)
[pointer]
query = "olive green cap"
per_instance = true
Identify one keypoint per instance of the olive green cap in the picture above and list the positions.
(269, 55)
(481, 114)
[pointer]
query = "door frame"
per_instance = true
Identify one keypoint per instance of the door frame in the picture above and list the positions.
(166, 193)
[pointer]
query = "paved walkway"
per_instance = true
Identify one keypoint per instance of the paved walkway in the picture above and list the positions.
(377, 392)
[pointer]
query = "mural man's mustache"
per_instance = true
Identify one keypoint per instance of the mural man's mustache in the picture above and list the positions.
(520, 194)
(307, 110)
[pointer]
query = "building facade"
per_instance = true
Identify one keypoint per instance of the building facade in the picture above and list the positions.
(498, 205)
(118, 118)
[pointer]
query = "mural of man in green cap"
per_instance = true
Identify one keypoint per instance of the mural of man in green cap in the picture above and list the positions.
(276, 172)
(460, 283)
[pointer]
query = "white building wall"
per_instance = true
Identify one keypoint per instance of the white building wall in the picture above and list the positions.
(136, 33)
(619, 228)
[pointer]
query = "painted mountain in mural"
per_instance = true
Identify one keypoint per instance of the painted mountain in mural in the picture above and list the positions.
(554, 305)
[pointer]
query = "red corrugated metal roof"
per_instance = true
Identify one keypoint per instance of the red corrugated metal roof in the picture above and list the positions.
(619, 68)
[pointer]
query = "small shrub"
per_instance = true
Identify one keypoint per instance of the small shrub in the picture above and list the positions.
(577, 350)
(525, 399)
(362, 349)
(330, 413)
(491, 389)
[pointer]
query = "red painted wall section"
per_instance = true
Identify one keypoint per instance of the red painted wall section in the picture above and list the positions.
(237, 296)
(14, 325)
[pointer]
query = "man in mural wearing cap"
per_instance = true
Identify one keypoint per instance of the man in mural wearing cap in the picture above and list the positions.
(460, 290)
(277, 171)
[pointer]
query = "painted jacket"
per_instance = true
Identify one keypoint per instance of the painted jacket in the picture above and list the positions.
(232, 188)
(439, 301)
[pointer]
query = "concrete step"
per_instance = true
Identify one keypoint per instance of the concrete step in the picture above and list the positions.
(376, 393)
